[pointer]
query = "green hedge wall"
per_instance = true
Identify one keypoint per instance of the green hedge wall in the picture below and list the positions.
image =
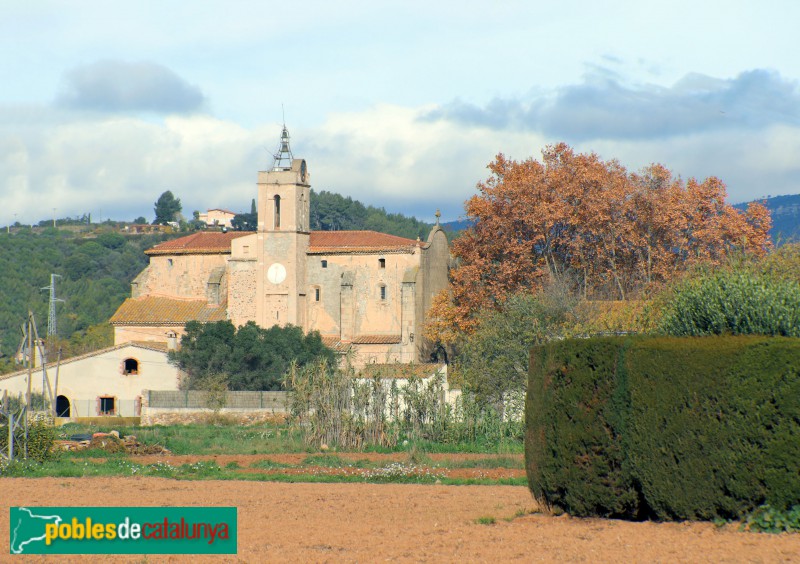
(668, 428)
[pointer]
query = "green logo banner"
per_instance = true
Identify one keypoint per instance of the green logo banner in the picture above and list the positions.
(123, 530)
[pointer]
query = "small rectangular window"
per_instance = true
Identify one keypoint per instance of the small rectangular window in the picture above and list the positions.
(106, 406)
(169, 262)
(246, 249)
(324, 264)
(383, 292)
(316, 294)
(382, 263)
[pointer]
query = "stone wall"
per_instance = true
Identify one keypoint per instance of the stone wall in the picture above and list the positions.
(276, 412)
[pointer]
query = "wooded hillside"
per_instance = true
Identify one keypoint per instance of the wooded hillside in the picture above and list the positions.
(95, 274)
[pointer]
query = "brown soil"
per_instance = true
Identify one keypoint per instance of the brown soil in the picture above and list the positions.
(281, 522)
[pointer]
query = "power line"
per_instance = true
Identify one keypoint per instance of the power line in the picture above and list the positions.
(51, 317)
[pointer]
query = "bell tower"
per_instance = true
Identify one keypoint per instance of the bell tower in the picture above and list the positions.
(283, 238)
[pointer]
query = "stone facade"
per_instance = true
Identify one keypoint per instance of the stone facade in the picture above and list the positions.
(363, 291)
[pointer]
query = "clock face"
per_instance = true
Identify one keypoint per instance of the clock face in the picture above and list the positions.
(276, 273)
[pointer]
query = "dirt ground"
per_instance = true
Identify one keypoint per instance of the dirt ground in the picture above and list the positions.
(281, 522)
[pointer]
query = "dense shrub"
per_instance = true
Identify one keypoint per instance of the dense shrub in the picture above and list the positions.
(574, 428)
(736, 301)
(39, 444)
(249, 357)
(665, 427)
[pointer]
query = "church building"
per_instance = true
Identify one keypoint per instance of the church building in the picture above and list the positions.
(365, 292)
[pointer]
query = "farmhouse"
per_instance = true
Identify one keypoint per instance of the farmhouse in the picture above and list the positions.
(365, 292)
(107, 382)
(217, 217)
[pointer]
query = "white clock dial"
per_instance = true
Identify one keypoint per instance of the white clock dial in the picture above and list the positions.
(276, 273)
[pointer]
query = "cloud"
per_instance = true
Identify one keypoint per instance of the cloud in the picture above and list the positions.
(118, 87)
(601, 107)
(386, 155)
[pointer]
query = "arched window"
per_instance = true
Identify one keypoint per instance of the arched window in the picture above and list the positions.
(277, 212)
(131, 366)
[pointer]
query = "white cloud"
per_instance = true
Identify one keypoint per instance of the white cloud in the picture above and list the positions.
(120, 86)
(386, 155)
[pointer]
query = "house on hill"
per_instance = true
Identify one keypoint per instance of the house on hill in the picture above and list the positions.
(365, 292)
(217, 217)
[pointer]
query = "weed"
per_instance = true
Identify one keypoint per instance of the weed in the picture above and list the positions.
(488, 520)
(767, 519)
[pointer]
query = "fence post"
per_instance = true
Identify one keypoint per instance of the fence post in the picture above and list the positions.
(10, 436)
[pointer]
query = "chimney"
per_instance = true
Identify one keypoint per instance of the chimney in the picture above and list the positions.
(172, 341)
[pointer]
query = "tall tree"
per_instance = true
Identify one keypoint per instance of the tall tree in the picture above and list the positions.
(250, 357)
(608, 232)
(167, 207)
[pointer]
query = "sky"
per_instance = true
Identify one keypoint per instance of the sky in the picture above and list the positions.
(105, 104)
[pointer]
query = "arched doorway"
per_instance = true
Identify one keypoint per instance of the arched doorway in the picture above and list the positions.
(62, 406)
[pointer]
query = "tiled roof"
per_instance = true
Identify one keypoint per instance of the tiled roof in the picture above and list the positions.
(157, 346)
(152, 310)
(398, 370)
(322, 242)
(202, 242)
(333, 342)
(376, 339)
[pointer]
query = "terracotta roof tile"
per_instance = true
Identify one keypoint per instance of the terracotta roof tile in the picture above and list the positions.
(152, 310)
(202, 242)
(157, 346)
(358, 242)
(333, 342)
(320, 242)
(398, 370)
(376, 339)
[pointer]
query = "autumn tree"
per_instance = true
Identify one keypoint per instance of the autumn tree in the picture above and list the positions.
(590, 223)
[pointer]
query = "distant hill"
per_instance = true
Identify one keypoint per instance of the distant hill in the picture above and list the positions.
(457, 226)
(785, 211)
(333, 212)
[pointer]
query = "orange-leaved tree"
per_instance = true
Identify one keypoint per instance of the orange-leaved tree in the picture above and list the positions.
(609, 233)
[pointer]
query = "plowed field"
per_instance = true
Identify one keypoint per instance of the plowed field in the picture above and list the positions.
(355, 522)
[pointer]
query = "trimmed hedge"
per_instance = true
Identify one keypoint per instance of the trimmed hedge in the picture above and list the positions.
(668, 428)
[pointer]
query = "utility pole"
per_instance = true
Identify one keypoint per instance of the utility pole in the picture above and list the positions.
(51, 317)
